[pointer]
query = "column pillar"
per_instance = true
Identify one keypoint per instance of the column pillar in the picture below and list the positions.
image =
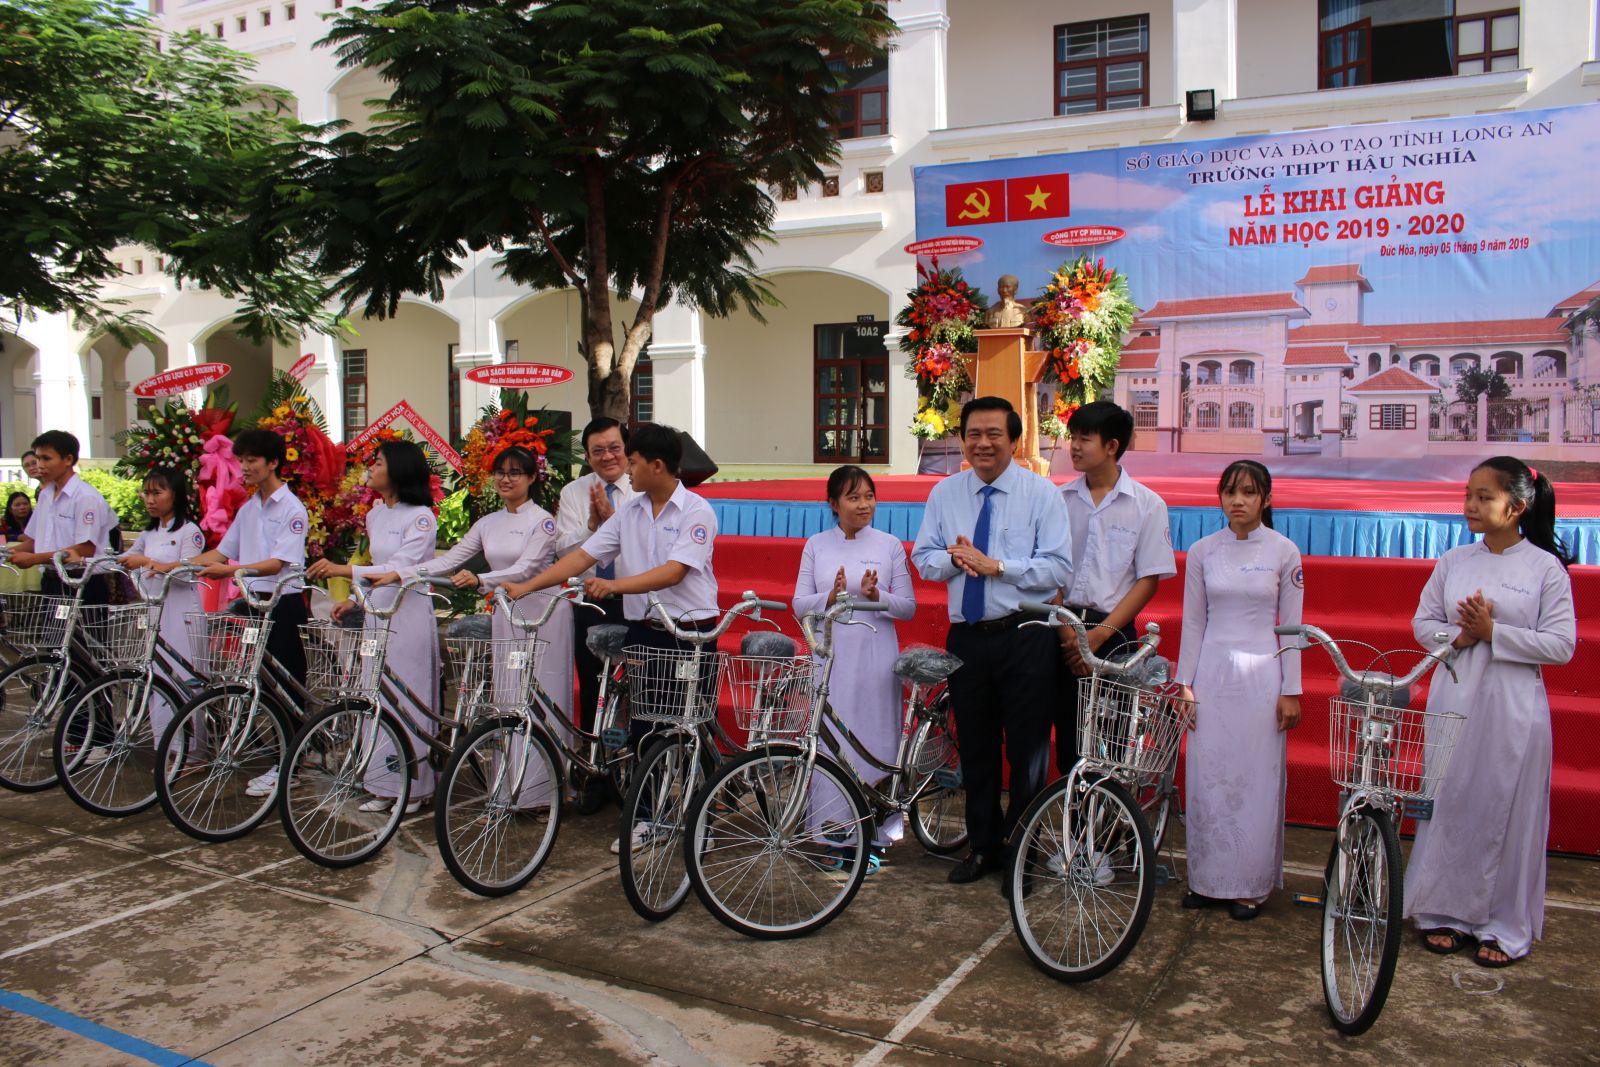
(1208, 57)
(677, 363)
(63, 400)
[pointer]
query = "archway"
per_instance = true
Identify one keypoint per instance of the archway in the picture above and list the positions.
(350, 98)
(1463, 362)
(1508, 364)
(547, 327)
(250, 363)
(1550, 363)
(19, 404)
(1425, 366)
(404, 357)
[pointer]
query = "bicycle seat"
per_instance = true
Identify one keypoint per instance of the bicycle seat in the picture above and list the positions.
(606, 641)
(1399, 699)
(1152, 672)
(480, 627)
(925, 665)
(768, 644)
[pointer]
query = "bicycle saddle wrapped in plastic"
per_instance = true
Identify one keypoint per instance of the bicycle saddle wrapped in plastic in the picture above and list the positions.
(926, 665)
(480, 627)
(607, 640)
(1152, 672)
(1400, 698)
(768, 644)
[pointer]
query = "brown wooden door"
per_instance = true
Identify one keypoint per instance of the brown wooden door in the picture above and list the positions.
(850, 382)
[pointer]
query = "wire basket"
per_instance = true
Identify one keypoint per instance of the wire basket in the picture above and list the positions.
(1131, 727)
(122, 635)
(36, 622)
(672, 686)
(492, 674)
(344, 662)
(771, 695)
(227, 648)
(1401, 751)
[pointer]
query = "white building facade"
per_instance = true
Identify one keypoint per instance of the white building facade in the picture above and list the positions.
(821, 381)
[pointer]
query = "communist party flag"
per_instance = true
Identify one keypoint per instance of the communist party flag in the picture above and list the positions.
(1043, 196)
(975, 203)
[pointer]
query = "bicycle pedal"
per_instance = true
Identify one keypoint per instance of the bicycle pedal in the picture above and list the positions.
(1421, 810)
(947, 778)
(1306, 900)
(1163, 874)
(614, 737)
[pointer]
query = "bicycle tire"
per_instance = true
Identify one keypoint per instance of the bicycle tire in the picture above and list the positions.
(474, 816)
(1155, 797)
(202, 789)
(322, 817)
(1361, 918)
(939, 812)
(27, 732)
(734, 848)
(122, 783)
(1079, 906)
(653, 877)
(615, 762)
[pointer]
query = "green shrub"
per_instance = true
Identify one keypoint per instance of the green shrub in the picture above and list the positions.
(122, 494)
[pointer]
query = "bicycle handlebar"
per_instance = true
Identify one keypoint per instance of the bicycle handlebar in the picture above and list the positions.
(365, 603)
(1060, 614)
(286, 574)
(1369, 680)
(747, 604)
(843, 605)
(571, 589)
(93, 563)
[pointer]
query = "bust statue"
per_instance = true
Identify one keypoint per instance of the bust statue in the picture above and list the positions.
(1007, 314)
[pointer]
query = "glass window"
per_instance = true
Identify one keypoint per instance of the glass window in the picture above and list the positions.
(1488, 42)
(1102, 65)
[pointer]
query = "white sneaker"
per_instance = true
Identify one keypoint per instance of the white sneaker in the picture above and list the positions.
(643, 834)
(1103, 874)
(97, 754)
(382, 804)
(265, 785)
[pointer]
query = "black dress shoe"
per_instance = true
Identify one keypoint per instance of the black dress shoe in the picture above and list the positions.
(975, 866)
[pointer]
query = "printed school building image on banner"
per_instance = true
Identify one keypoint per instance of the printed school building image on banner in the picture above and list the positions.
(1030, 88)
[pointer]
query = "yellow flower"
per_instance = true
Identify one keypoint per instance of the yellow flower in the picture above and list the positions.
(291, 454)
(298, 400)
(281, 410)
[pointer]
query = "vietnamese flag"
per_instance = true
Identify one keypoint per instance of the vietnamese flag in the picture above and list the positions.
(975, 203)
(1043, 196)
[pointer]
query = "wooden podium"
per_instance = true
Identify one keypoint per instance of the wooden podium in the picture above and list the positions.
(1004, 367)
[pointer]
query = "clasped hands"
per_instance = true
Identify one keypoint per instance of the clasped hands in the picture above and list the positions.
(841, 585)
(974, 564)
(1475, 616)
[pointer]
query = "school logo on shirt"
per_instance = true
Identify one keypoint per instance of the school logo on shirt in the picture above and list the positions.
(699, 534)
(1298, 577)
(197, 539)
(422, 522)
(297, 526)
(88, 517)
(1166, 534)
(549, 526)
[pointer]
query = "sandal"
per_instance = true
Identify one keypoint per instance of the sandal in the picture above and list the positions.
(1242, 912)
(1491, 945)
(1457, 939)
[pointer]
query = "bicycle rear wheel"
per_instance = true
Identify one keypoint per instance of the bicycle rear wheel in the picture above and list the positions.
(28, 724)
(1154, 797)
(650, 842)
(766, 879)
(1361, 924)
(340, 757)
(118, 777)
(210, 753)
(1082, 877)
(495, 832)
(933, 763)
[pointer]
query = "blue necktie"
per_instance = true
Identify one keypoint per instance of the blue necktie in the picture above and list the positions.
(608, 571)
(972, 588)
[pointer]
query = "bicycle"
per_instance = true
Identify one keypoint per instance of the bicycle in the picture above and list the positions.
(778, 837)
(676, 691)
(116, 777)
(327, 816)
(499, 802)
(58, 662)
(1080, 876)
(1388, 760)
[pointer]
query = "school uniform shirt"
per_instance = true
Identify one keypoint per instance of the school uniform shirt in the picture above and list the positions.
(636, 541)
(572, 512)
(70, 515)
(1235, 591)
(1028, 533)
(170, 544)
(1115, 543)
(274, 528)
(1479, 864)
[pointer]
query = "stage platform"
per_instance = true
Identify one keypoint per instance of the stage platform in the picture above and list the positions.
(1324, 516)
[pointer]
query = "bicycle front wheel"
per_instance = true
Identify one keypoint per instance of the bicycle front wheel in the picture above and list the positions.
(939, 813)
(498, 807)
(116, 777)
(1361, 923)
(650, 842)
(1082, 878)
(28, 724)
(342, 757)
(774, 852)
(1154, 796)
(223, 746)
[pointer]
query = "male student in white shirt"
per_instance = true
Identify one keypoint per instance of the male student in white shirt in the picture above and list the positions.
(69, 514)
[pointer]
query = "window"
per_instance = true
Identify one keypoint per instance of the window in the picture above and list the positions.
(1208, 416)
(1241, 415)
(1487, 42)
(1102, 65)
(873, 180)
(138, 266)
(216, 29)
(862, 101)
(288, 12)
(355, 391)
(1241, 372)
(830, 185)
(266, 18)
(96, 407)
(513, 351)
(1392, 417)
(1146, 404)
(241, 23)
(851, 392)
(1208, 373)
(643, 387)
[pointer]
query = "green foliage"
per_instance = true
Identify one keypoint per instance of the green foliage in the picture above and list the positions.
(281, 389)
(453, 519)
(122, 494)
(106, 140)
(1473, 383)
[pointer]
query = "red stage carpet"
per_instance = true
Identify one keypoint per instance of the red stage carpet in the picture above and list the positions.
(1369, 599)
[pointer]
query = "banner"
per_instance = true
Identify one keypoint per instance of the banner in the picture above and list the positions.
(1397, 290)
(302, 366)
(181, 380)
(519, 375)
(404, 410)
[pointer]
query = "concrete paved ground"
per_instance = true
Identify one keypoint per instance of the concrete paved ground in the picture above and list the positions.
(246, 954)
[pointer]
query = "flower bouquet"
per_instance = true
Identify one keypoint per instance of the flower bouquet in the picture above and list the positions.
(511, 424)
(1081, 319)
(195, 443)
(938, 321)
(314, 465)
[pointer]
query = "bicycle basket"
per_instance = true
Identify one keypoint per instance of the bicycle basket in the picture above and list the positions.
(122, 635)
(1403, 752)
(1129, 726)
(344, 662)
(668, 685)
(227, 648)
(771, 695)
(35, 622)
(492, 674)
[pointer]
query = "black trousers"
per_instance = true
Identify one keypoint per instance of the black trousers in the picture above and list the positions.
(588, 663)
(1003, 695)
(1066, 716)
(283, 638)
(96, 591)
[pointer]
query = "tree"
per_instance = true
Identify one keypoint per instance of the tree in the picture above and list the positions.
(619, 146)
(107, 138)
(1476, 381)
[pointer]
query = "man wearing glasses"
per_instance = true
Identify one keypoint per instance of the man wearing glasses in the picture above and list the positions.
(586, 503)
